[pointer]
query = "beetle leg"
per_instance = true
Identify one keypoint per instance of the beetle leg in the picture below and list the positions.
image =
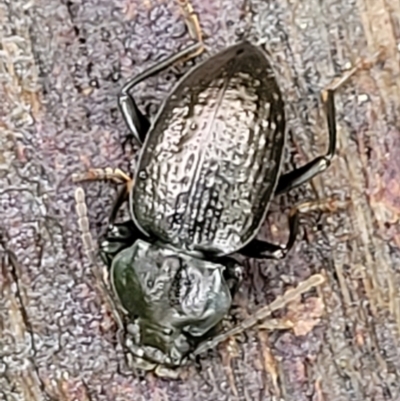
(265, 250)
(118, 236)
(305, 173)
(103, 174)
(193, 26)
(109, 174)
(136, 121)
(122, 235)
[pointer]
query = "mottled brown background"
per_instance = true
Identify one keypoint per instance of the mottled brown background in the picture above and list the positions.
(62, 64)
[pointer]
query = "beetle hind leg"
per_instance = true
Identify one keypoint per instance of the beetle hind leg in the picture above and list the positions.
(136, 121)
(305, 173)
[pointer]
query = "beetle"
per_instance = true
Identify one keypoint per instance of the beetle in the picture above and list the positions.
(209, 165)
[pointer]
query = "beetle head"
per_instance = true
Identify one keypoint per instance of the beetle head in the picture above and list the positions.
(176, 297)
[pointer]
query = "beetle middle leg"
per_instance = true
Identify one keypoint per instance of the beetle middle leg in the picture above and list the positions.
(118, 236)
(136, 121)
(265, 250)
(108, 174)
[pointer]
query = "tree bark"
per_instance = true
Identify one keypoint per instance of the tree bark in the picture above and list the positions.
(62, 64)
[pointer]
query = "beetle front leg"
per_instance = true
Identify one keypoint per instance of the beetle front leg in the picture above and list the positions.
(265, 250)
(136, 121)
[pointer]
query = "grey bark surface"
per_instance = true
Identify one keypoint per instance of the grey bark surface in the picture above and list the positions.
(61, 66)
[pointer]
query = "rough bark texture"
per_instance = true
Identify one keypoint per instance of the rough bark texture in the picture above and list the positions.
(62, 64)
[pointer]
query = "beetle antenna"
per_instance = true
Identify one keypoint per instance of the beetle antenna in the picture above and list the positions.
(83, 223)
(91, 250)
(263, 313)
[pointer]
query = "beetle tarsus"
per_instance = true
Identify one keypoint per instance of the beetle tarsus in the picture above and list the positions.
(103, 174)
(192, 24)
(191, 19)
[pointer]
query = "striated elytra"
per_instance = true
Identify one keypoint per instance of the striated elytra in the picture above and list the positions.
(210, 161)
